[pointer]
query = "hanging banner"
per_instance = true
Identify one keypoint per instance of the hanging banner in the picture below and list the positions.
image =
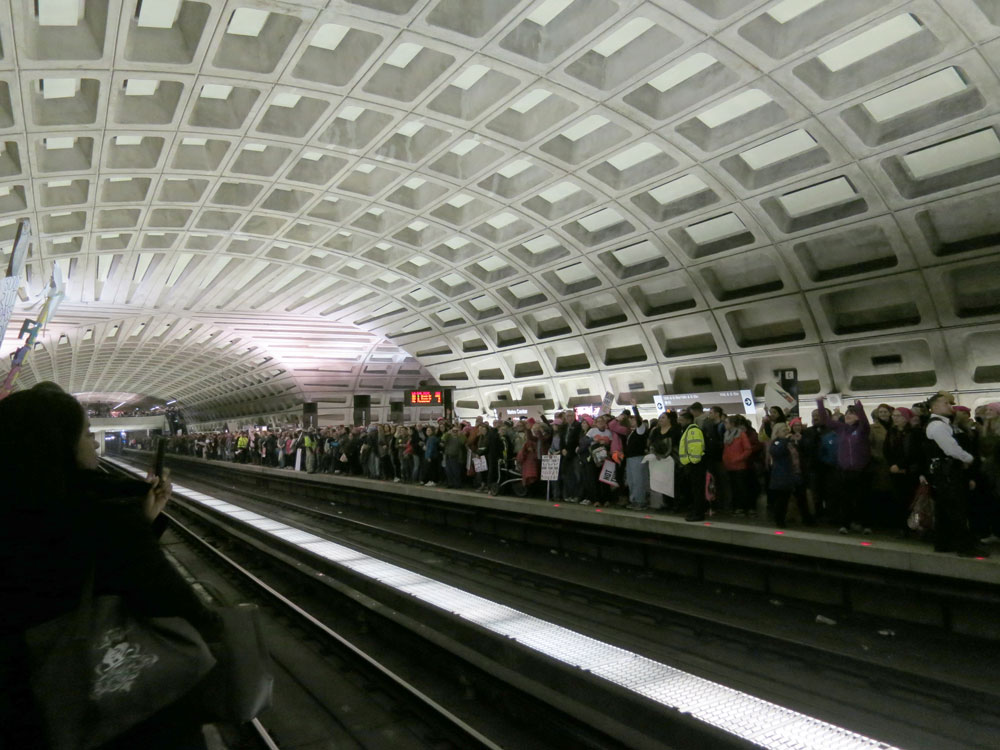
(32, 328)
(12, 280)
(550, 467)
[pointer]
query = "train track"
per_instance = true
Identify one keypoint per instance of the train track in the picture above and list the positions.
(901, 707)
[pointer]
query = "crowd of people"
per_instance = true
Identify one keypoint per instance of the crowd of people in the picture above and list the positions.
(853, 471)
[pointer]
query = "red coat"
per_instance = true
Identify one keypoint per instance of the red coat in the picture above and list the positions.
(736, 455)
(531, 465)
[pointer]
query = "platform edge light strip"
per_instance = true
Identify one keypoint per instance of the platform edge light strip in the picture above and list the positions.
(766, 724)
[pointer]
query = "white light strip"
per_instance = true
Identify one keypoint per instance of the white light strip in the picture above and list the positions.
(761, 722)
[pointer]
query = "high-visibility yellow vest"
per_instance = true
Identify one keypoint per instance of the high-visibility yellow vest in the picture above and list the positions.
(309, 442)
(242, 441)
(692, 446)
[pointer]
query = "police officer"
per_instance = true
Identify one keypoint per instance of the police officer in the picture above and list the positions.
(947, 463)
(691, 452)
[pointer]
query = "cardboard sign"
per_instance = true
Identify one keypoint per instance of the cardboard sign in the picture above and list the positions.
(609, 399)
(661, 474)
(607, 474)
(775, 395)
(550, 467)
(479, 464)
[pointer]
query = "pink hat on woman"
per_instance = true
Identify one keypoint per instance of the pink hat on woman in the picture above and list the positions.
(966, 409)
(907, 413)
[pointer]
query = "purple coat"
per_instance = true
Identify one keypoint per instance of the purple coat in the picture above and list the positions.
(854, 450)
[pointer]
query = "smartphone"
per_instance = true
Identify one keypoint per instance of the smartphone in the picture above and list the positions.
(161, 447)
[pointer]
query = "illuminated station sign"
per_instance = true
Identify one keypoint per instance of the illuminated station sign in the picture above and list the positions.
(425, 398)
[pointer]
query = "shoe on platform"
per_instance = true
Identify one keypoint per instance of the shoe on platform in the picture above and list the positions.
(867, 531)
(843, 530)
(585, 501)
(396, 480)
(739, 512)
(430, 484)
(991, 539)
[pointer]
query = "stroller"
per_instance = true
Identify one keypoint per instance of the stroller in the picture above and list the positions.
(509, 475)
(508, 472)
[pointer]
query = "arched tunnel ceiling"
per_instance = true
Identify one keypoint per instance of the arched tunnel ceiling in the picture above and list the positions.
(532, 198)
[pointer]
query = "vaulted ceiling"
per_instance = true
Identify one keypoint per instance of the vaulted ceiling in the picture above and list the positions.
(257, 203)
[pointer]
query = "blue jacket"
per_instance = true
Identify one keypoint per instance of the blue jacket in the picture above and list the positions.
(783, 475)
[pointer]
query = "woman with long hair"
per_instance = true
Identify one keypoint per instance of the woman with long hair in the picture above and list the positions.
(63, 523)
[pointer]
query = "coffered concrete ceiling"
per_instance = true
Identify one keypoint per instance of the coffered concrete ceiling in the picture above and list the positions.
(257, 203)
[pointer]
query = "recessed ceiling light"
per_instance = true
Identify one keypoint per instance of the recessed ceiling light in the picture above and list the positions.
(470, 77)
(547, 11)
(59, 88)
(246, 21)
(870, 42)
(779, 149)
(141, 86)
(917, 94)
(59, 12)
(530, 100)
(684, 70)
(329, 36)
(711, 230)
(350, 113)
(788, 10)
(736, 106)
(623, 36)
(403, 54)
(158, 14)
(215, 91)
(634, 155)
(585, 127)
(285, 99)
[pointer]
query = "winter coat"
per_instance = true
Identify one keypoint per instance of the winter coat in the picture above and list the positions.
(736, 455)
(853, 447)
(784, 474)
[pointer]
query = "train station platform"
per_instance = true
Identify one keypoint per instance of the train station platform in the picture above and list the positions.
(865, 574)
(877, 550)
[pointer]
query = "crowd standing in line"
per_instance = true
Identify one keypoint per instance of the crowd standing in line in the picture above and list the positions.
(932, 469)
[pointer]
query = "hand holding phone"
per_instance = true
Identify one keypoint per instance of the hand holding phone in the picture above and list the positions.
(161, 447)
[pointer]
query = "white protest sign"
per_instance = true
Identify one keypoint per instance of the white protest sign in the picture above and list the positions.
(609, 399)
(661, 474)
(550, 467)
(607, 474)
(479, 463)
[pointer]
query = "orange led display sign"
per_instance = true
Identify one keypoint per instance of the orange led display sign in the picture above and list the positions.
(424, 398)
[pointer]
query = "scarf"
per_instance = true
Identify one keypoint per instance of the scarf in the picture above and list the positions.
(731, 435)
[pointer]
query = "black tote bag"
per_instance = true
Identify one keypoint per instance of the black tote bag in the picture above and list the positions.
(99, 671)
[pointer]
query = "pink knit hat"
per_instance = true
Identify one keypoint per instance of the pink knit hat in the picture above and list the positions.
(966, 409)
(907, 413)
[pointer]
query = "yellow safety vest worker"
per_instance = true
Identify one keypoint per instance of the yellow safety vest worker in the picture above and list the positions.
(692, 446)
(309, 442)
(242, 441)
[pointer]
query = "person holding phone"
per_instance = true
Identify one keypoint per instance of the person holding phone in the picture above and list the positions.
(61, 521)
